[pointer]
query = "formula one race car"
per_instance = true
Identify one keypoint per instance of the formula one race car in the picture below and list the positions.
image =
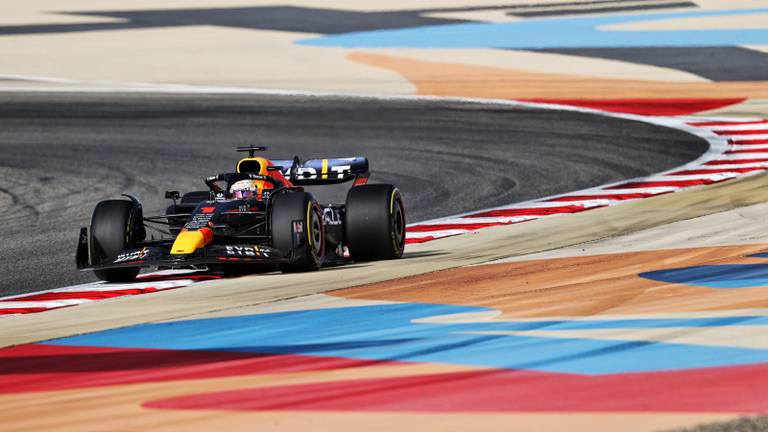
(256, 218)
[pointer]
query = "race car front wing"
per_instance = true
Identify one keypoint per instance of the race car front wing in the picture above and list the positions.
(160, 255)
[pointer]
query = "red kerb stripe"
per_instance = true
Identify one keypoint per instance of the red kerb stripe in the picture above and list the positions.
(660, 107)
(760, 150)
(716, 171)
(615, 197)
(89, 295)
(535, 211)
(12, 311)
(443, 227)
(736, 161)
(664, 183)
(743, 132)
(750, 142)
(419, 240)
(727, 123)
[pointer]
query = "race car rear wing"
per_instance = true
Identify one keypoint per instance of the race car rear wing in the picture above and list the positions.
(324, 171)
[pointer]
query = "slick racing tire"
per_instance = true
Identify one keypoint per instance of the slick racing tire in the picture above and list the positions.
(112, 231)
(375, 222)
(298, 206)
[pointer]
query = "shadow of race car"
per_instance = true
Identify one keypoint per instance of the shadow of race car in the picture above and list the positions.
(254, 219)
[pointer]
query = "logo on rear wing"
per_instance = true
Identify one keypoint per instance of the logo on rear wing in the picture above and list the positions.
(323, 171)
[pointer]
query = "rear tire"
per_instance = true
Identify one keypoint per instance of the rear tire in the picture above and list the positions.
(286, 208)
(375, 222)
(112, 231)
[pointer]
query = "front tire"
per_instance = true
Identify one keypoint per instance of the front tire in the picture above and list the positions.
(375, 222)
(298, 206)
(112, 232)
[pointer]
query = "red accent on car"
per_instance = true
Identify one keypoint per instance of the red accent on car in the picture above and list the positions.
(207, 234)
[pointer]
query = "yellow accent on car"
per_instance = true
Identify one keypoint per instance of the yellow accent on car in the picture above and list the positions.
(324, 171)
(392, 201)
(187, 242)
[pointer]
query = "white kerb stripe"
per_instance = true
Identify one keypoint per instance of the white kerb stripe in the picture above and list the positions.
(465, 221)
(714, 177)
(746, 137)
(48, 304)
(435, 234)
(738, 127)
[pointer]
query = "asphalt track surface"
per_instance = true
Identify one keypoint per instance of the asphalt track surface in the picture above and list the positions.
(61, 153)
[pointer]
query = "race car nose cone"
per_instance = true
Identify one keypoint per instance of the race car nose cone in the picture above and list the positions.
(188, 242)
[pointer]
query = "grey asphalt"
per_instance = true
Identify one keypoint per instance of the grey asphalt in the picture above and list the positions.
(724, 63)
(62, 153)
(742, 424)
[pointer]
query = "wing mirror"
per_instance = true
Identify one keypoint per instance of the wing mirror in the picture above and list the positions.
(172, 195)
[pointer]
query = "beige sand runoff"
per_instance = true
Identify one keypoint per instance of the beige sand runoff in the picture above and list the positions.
(228, 56)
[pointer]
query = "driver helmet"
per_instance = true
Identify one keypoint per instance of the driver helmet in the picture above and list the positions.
(244, 189)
